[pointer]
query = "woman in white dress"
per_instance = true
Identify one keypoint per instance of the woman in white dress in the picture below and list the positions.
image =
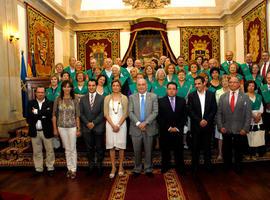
(116, 112)
(221, 91)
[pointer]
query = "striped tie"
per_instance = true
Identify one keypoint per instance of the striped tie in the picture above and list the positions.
(91, 100)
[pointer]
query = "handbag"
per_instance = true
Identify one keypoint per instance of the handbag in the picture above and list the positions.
(256, 138)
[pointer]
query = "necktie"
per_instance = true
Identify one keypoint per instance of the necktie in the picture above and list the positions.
(91, 100)
(172, 103)
(264, 70)
(142, 114)
(232, 102)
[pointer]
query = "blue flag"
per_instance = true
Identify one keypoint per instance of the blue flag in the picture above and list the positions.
(23, 87)
(33, 64)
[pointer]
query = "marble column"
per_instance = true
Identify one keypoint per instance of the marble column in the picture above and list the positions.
(229, 37)
(68, 44)
(10, 101)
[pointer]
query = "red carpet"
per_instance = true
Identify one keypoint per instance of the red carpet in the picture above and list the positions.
(14, 196)
(159, 187)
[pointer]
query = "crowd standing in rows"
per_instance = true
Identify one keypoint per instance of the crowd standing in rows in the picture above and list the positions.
(155, 103)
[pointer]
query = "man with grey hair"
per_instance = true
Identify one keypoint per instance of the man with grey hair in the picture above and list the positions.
(143, 110)
(138, 64)
(89, 72)
(233, 121)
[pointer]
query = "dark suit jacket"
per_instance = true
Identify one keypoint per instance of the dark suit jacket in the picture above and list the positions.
(195, 113)
(44, 114)
(95, 115)
(167, 118)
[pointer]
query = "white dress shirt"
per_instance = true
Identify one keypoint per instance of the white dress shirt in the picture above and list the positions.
(38, 124)
(202, 101)
(140, 95)
(236, 92)
(267, 67)
(108, 73)
(94, 96)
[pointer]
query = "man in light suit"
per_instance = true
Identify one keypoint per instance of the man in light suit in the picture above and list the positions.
(172, 113)
(93, 125)
(143, 110)
(233, 121)
(202, 110)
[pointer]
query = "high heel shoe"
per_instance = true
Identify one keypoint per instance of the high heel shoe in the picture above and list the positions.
(112, 174)
(121, 172)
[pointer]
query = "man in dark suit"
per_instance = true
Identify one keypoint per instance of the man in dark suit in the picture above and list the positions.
(233, 121)
(172, 114)
(93, 125)
(39, 119)
(202, 109)
(265, 65)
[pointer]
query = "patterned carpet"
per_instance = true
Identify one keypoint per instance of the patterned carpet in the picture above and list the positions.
(18, 152)
(160, 186)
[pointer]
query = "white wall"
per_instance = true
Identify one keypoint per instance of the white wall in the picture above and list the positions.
(239, 42)
(58, 46)
(22, 31)
(124, 42)
(174, 41)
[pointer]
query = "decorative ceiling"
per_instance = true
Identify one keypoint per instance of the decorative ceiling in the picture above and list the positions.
(84, 11)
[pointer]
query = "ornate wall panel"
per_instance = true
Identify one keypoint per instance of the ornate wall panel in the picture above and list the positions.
(40, 32)
(99, 45)
(200, 41)
(255, 31)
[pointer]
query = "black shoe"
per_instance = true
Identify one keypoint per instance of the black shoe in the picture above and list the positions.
(51, 173)
(149, 174)
(100, 171)
(181, 171)
(238, 169)
(136, 174)
(90, 170)
(164, 170)
(37, 173)
(209, 168)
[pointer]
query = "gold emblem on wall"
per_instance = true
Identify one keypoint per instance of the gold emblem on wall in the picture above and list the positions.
(255, 31)
(254, 42)
(98, 52)
(143, 4)
(200, 49)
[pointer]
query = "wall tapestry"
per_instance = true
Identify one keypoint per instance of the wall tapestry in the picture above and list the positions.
(40, 31)
(100, 45)
(200, 41)
(255, 31)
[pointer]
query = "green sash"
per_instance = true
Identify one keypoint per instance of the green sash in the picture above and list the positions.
(89, 73)
(174, 79)
(159, 90)
(245, 69)
(185, 68)
(183, 91)
(265, 93)
(214, 89)
(257, 103)
(52, 95)
(258, 80)
(84, 89)
(72, 75)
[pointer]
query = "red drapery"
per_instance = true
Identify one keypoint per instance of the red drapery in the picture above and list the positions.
(149, 24)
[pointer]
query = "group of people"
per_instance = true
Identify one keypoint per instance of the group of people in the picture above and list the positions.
(155, 103)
